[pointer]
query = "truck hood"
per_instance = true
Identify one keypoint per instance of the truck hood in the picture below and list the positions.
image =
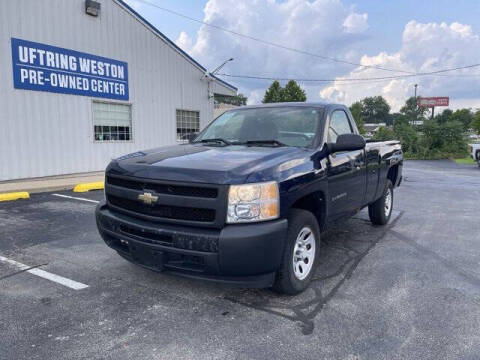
(209, 164)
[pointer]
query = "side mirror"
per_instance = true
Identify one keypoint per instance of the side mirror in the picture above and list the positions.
(192, 136)
(347, 142)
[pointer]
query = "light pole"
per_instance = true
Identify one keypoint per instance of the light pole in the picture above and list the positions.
(217, 69)
(211, 76)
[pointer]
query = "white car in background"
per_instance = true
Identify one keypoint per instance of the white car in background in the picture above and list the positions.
(475, 152)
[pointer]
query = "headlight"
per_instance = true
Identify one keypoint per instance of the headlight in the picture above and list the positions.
(253, 202)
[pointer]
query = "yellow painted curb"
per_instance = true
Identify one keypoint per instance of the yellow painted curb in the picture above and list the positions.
(88, 186)
(14, 196)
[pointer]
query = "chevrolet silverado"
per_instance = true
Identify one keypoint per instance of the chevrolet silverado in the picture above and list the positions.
(246, 200)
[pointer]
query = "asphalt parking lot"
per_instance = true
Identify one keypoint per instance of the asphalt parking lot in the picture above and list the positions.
(409, 290)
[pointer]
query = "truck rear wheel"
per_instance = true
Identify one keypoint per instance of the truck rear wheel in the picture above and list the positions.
(381, 210)
(300, 254)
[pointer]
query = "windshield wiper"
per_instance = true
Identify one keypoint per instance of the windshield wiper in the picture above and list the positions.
(216, 140)
(265, 142)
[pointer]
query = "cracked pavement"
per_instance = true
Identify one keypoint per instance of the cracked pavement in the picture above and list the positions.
(408, 290)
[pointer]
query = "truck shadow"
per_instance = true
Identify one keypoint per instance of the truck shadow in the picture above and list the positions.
(343, 248)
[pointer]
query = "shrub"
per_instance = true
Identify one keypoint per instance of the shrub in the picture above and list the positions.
(446, 139)
(383, 134)
(410, 139)
(434, 141)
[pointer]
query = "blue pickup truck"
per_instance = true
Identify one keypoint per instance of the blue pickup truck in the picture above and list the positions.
(246, 200)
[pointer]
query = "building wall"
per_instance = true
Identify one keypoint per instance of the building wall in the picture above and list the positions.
(219, 109)
(51, 134)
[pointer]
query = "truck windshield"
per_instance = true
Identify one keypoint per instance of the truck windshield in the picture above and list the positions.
(291, 126)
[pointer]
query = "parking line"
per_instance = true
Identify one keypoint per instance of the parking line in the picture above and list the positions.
(45, 274)
(76, 198)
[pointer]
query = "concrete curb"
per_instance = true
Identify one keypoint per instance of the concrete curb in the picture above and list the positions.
(14, 196)
(89, 186)
(50, 183)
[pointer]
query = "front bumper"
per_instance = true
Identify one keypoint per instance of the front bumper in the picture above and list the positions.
(244, 255)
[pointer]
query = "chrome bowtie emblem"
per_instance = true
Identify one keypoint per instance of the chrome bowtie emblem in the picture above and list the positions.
(147, 198)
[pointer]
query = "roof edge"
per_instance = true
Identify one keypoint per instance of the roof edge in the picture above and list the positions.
(170, 42)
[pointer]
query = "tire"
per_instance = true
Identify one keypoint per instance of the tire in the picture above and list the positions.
(303, 236)
(381, 210)
(477, 155)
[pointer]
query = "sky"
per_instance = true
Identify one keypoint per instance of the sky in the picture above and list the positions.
(406, 35)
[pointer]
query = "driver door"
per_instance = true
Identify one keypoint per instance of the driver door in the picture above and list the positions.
(346, 170)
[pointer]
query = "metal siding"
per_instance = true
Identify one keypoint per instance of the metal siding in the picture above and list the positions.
(52, 134)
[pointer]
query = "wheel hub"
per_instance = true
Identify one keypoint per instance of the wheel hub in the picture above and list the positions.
(388, 202)
(303, 253)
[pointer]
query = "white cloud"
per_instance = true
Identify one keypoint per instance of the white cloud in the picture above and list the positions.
(425, 47)
(330, 28)
(184, 42)
(255, 96)
(356, 23)
(319, 26)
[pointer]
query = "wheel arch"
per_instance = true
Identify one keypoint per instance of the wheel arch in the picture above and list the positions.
(392, 174)
(315, 203)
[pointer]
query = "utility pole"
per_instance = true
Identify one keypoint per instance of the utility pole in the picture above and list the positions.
(416, 105)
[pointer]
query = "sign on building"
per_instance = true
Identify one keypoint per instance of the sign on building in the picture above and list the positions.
(43, 67)
(433, 101)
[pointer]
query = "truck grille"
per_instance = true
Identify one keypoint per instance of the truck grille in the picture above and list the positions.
(163, 211)
(176, 202)
(164, 188)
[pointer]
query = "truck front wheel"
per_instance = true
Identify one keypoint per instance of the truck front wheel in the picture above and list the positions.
(381, 210)
(300, 254)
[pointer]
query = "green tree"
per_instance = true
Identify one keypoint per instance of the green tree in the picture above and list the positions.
(375, 109)
(384, 133)
(397, 119)
(237, 100)
(408, 137)
(273, 93)
(463, 116)
(292, 92)
(444, 117)
(444, 140)
(412, 111)
(476, 122)
(356, 110)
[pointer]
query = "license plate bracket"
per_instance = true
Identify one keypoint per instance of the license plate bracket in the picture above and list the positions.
(147, 256)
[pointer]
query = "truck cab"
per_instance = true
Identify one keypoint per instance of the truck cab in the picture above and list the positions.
(475, 152)
(245, 202)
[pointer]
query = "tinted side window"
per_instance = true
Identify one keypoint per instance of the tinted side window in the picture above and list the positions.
(339, 124)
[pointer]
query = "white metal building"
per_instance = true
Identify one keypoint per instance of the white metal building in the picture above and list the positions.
(78, 90)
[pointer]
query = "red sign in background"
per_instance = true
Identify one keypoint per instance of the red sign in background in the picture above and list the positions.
(433, 101)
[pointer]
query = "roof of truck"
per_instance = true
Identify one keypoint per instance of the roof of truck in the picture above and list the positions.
(299, 104)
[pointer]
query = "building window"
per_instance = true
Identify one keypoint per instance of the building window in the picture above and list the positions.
(112, 121)
(187, 122)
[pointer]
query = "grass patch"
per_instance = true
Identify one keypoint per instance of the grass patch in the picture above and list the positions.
(466, 160)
